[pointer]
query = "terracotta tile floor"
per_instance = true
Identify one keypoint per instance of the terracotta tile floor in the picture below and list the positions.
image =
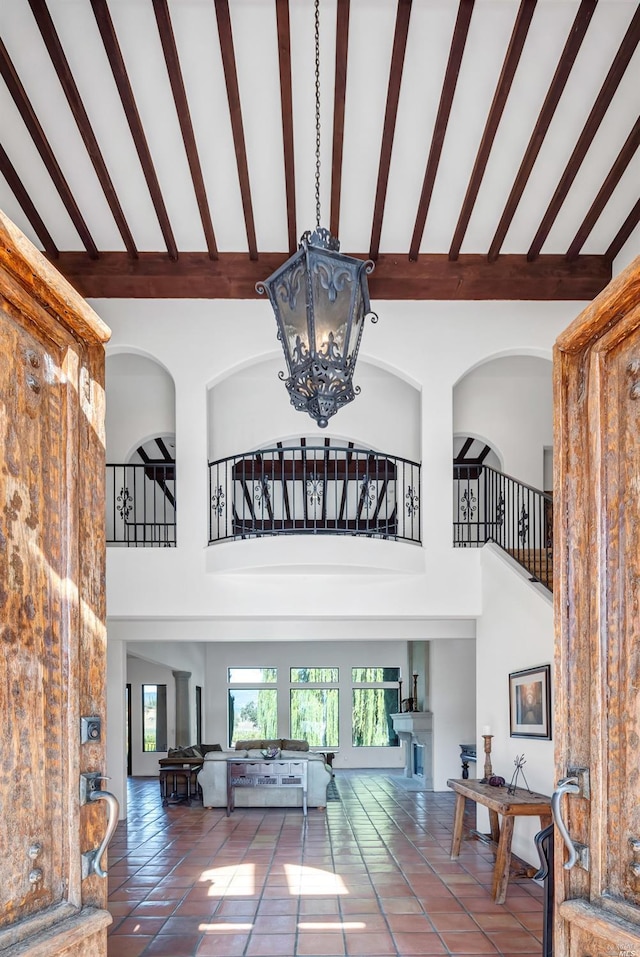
(371, 875)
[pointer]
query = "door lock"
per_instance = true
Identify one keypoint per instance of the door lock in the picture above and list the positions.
(90, 729)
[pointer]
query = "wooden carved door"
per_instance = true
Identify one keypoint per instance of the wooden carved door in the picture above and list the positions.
(597, 607)
(52, 634)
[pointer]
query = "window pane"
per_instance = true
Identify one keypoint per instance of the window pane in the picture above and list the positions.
(256, 676)
(314, 716)
(253, 713)
(154, 717)
(372, 725)
(371, 675)
(315, 675)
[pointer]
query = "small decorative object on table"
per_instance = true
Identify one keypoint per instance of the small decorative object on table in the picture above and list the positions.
(270, 753)
(519, 763)
(488, 770)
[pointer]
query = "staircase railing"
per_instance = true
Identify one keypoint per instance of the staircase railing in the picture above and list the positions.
(313, 490)
(490, 506)
(141, 505)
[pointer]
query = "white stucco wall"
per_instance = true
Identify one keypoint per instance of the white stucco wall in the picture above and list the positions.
(453, 702)
(497, 396)
(140, 404)
(514, 632)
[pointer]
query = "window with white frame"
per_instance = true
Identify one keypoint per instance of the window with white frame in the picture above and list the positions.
(252, 704)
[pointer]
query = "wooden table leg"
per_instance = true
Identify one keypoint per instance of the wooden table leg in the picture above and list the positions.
(545, 820)
(494, 825)
(503, 860)
(458, 819)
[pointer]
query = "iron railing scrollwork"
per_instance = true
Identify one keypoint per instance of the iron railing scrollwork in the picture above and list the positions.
(305, 489)
(141, 505)
(490, 506)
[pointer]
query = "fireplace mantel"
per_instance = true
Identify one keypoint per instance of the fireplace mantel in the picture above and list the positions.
(416, 727)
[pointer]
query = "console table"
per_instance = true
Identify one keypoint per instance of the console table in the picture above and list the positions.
(509, 806)
(251, 773)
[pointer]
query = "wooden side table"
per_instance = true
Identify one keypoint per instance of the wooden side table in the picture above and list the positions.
(508, 806)
(173, 776)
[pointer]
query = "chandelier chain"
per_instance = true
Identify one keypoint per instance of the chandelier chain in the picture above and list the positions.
(317, 40)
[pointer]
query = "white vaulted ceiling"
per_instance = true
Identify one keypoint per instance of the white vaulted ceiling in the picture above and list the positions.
(483, 149)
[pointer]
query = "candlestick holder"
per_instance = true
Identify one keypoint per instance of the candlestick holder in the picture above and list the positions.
(415, 693)
(488, 770)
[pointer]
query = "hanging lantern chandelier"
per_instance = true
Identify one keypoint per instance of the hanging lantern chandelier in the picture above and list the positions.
(320, 299)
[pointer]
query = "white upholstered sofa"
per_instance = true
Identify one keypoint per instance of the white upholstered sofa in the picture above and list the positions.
(213, 780)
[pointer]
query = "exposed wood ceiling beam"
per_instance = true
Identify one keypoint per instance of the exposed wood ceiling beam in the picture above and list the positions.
(558, 83)
(17, 188)
(340, 96)
(20, 98)
(121, 77)
(61, 65)
(623, 159)
(286, 101)
(164, 451)
(391, 113)
(235, 111)
(176, 80)
(461, 456)
(609, 87)
(460, 33)
(234, 275)
(503, 88)
(624, 232)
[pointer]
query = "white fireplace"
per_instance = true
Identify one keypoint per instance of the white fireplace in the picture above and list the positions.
(416, 728)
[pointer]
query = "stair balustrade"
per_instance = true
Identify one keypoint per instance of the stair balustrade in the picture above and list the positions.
(489, 506)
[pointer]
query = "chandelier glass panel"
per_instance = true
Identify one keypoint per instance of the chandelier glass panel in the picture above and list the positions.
(320, 299)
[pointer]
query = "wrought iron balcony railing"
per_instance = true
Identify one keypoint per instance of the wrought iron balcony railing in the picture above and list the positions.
(314, 490)
(141, 505)
(492, 507)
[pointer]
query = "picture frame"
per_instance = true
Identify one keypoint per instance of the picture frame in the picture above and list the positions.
(530, 703)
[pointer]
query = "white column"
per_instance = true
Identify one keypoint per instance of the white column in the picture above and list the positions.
(183, 716)
(116, 729)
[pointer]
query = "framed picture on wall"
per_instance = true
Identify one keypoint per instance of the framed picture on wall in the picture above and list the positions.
(530, 703)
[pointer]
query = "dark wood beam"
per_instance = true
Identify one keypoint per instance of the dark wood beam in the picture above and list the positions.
(391, 113)
(342, 46)
(233, 276)
(458, 42)
(21, 100)
(612, 81)
(18, 189)
(623, 159)
(168, 41)
(121, 77)
(623, 233)
(461, 456)
(235, 112)
(558, 83)
(65, 76)
(500, 97)
(286, 106)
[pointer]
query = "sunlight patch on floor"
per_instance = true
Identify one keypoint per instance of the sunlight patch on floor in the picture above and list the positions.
(313, 880)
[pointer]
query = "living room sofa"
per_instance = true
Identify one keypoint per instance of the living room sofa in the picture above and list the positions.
(213, 776)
